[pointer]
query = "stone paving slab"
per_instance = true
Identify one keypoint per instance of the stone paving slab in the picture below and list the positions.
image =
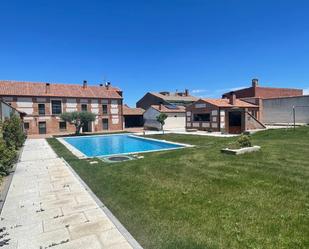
(48, 207)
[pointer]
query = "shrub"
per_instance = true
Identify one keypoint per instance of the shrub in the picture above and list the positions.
(13, 134)
(244, 141)
(7, 157)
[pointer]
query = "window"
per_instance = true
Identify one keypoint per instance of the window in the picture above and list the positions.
(62, 125)
(41, 109)
(84, 107)
(104, 107)
(26, 126)
(56, 106)
(201, 117)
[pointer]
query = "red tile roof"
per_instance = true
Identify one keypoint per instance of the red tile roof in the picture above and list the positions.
(165, 109)
(226, 103)
(17, 88)
(132, 111)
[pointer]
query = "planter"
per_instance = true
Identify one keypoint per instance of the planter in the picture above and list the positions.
(241, 151)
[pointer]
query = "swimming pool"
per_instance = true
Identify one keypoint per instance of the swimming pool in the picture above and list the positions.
(106, 145)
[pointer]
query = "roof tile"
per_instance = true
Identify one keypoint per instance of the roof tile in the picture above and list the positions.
(226, 103)
(56, 90)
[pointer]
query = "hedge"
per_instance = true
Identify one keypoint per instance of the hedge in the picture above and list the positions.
(12, 138)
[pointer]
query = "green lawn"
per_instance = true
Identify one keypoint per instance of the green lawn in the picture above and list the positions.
(198, 198)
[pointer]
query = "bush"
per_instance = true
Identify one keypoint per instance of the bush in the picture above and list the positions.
(244, 141)
(12, 138)
(7, 157)
(13, 134)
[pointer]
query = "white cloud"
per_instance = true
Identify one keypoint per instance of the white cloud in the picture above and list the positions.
(196, 91)
(306, 91)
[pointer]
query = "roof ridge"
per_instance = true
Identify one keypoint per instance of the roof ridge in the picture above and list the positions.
(54, 83)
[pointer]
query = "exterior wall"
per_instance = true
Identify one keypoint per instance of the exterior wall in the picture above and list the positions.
(265, 92)
(243, 93)
(200, 107)
(251, 123)
(29, 105)
(150, 121)
(149, 100)
(175, 121)
(280, 110)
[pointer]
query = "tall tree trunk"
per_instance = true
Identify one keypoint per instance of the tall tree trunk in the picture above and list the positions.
(77, 131)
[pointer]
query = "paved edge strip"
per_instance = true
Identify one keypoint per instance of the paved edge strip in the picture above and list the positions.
(4, 192)
(126, 234)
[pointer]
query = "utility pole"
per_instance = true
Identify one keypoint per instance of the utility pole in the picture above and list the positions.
(294, 117)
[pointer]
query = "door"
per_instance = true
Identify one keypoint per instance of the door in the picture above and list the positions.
(105, 123)
(42, 127)
(235, 118)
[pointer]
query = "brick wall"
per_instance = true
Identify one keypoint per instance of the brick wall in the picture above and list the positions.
(200, 107)
(30, 105)
(265, 92)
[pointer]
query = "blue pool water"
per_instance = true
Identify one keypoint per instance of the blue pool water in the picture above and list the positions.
(116, 144)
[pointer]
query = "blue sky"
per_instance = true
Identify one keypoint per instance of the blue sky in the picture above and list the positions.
(204, 45)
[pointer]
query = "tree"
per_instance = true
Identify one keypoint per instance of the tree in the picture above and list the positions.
(7, 157)
(13, 133)
(78, 119)
(161, 119)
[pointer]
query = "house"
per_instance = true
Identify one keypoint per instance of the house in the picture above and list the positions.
(44, 102)
(275, 104)
(257, 91)
(133, 117)
(176, 118)
(228, 115)
(166, 98)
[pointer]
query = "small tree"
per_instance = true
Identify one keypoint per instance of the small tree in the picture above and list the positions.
(13, 133)
(78, 119)
(7, 157)
(161, 119)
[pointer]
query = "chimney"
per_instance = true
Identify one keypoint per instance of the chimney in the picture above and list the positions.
(255, 82)
(107, 85)
(84, 83)
(232, 98)
(47, 88)
(186, 92)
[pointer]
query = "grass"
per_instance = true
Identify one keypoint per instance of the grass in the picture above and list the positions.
(198, 198)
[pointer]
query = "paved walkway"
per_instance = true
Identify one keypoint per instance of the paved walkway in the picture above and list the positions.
(47, 207)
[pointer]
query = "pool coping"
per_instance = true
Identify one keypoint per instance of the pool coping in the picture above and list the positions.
(81, 155)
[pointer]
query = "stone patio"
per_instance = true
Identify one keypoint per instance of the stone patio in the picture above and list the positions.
(48, 207)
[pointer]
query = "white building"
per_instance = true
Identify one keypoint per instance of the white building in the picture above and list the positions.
(176, 117)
